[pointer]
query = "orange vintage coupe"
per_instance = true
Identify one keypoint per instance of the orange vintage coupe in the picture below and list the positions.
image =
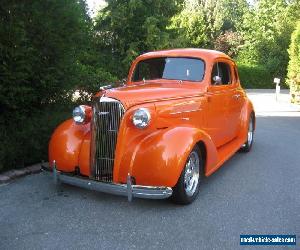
(180, 115)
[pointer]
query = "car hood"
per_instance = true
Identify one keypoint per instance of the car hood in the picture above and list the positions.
(131, 95)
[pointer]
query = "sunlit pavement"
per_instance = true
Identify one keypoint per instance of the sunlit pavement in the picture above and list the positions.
(266, 104)
(254, 193)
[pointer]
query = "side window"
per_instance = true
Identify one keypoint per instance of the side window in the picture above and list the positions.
(222, 71)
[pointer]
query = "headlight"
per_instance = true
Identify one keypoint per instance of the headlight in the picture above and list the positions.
(79, 114)
(141, 118)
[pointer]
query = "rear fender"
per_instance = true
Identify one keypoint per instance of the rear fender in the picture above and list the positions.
(244, 121)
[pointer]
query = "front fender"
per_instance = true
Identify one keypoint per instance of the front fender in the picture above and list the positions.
(158, 158)
(65, 145)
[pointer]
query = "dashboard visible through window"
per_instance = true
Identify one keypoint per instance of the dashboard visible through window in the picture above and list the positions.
(222, 70)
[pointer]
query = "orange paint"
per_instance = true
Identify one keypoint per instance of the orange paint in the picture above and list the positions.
(182, 115)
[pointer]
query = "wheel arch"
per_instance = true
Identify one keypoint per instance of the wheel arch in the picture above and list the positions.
(203, 150)
(245, 115)
(166, 152)
(254, 119)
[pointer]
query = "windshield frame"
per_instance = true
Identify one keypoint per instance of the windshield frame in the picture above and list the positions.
(166, 56)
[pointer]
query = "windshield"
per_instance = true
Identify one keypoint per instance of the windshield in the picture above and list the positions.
(172, 68)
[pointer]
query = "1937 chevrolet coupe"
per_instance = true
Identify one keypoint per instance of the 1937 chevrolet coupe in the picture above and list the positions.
(181, 114)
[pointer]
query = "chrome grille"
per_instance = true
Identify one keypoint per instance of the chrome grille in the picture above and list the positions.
(107, 116)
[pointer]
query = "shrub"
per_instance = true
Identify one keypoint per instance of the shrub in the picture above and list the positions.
(294, 65)
(44, 57)
(25, 138)
(255, 77)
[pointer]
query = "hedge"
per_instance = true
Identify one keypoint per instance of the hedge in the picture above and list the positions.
(255, 77)
(294, 65)
(25, 138)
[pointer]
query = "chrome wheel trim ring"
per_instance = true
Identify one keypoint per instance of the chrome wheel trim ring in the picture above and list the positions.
(191, 174)
(250, 132)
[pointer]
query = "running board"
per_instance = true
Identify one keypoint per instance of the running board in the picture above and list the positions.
(226, 151)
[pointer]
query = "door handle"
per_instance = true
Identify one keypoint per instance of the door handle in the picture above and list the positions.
(237, 96)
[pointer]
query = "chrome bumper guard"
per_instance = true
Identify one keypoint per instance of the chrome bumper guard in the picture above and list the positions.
(129, 190)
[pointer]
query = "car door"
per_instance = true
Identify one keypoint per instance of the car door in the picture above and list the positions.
(219, 97)
(236, 102)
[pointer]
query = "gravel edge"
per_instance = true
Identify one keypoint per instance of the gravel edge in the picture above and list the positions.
(11, 175)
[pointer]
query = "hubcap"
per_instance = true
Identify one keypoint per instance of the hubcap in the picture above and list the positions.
(191, 174)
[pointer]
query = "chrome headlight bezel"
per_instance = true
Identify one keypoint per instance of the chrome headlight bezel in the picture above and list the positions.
(79, 114)
(141, 118)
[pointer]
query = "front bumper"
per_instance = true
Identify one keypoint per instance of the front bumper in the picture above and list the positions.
(129, 190)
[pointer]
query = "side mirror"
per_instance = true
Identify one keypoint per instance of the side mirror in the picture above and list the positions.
(217, 80)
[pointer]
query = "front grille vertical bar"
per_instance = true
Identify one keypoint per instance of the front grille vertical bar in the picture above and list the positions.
(107, 116)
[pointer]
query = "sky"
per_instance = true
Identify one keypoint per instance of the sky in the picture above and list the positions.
(94, 6)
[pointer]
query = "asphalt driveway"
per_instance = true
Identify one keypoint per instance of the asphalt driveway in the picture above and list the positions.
(254, 193)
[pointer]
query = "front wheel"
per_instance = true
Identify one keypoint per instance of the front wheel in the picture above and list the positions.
(187, 187)
(250, 136)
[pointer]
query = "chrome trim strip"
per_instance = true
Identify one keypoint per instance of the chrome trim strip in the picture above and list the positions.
(107, 99)
(128, 190)
(185, 111)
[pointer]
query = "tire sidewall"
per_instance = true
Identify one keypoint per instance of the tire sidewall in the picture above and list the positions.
(248, 145)
(251, 120)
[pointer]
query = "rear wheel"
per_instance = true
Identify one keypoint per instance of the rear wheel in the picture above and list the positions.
(250, 135)
(187, 187)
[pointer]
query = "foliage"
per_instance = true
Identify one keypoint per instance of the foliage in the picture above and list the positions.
(25, 138)
(45, 53)
(190, 26)
(266, 30)
(125, 29)
(49, 49)
(255, 76)
(229, 43)
(294, 65)
(200, 23)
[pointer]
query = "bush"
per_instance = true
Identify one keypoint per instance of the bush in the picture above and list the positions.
(294, 65)
(255, 77)
(44, 57)
(25, 138)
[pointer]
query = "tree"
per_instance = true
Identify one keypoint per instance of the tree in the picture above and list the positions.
(125, 29)
(190, 26)
(294, 65)
(229, 43)
(41, 51)
(45, 49)
(201, 22)
(266, 31)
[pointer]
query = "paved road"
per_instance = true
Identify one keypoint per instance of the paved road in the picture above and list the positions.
(254, 193)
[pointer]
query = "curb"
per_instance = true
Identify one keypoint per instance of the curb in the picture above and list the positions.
(10, 175)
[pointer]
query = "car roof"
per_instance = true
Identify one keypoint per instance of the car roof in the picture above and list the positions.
(190, 52)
